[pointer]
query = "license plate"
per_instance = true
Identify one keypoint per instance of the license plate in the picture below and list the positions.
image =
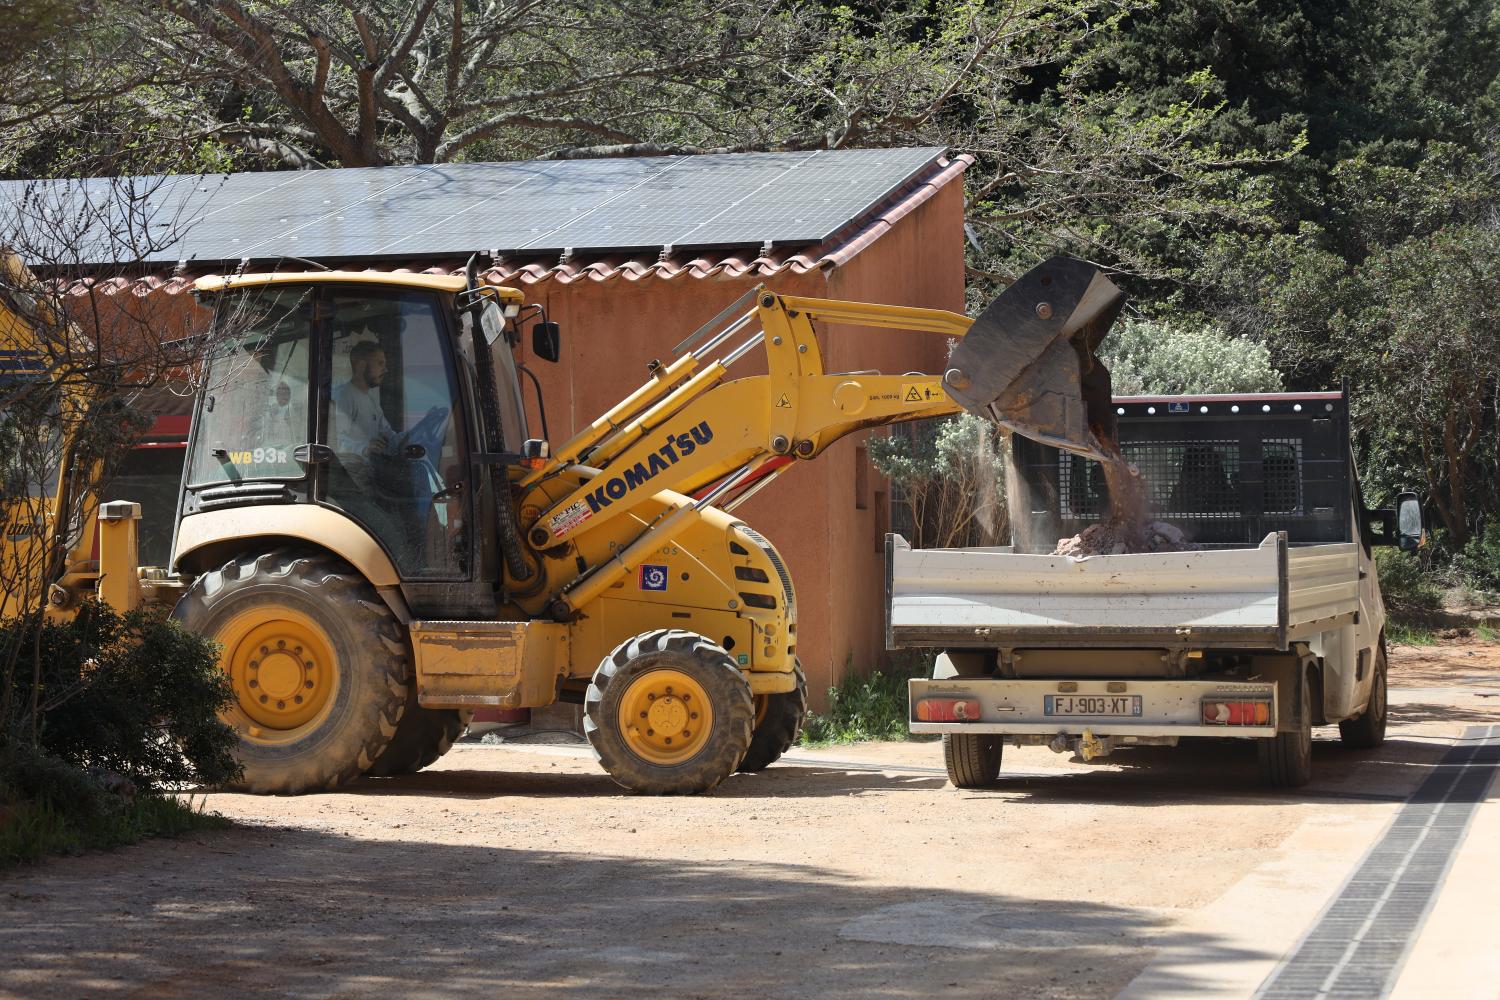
(1092, 704)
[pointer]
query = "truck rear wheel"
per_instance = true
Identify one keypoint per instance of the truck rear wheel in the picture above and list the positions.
(1368, 731)
(317, 663)
(778, 723)
(669, 713)
(1286, 758)
(972, 759)
(423, 736)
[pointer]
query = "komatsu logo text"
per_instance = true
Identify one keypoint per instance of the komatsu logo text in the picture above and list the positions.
(674, 449)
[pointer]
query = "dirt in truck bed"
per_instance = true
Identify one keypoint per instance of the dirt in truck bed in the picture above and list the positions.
(1129, 527)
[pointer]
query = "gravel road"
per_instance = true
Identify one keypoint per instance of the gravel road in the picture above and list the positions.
(854, 872)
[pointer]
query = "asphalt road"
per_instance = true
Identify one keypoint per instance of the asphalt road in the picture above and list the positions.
(522, 871)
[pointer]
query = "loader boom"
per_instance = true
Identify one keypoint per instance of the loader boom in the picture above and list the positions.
(688, 429)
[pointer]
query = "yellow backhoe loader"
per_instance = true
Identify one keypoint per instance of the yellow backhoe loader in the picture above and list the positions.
(380, 546)
(47, 518)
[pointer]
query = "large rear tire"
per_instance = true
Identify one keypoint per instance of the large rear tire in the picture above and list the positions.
(318, 664)
(423, 736)
(669, 713)
(1368, 731)
(1286, 758)
(778, 723)
(972, 759)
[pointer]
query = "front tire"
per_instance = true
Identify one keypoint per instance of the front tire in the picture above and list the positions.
(972, 759)
(778, 723)
(317, 662)
(1286, 758)
(1368, 731)
(669, 713)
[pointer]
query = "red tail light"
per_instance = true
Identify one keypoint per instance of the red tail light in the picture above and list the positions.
(948, 710)
(1236, 713)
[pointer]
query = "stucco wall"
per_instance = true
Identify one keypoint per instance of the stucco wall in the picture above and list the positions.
(832, 546)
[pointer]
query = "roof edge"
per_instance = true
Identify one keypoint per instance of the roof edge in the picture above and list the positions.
(885, 221)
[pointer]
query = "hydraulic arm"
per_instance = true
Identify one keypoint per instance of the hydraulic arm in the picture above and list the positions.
(687, 428)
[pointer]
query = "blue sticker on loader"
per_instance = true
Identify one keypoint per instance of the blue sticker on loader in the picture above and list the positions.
(653, 577)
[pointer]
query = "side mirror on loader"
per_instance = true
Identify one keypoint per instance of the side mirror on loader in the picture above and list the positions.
(546, 341)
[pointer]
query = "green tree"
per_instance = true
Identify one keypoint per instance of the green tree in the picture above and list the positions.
(1422, 336)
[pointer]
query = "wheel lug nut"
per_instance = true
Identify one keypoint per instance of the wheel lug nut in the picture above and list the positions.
(281, 704)
(643, 715)
(669, 741)
(308, 684)
(309, 664)
(281, 644)
(296, 649)
(254, 664)
(669, 690)
(687, 733)
(695, 715)
(254, 682)
(264, 699)
(264, 650)
(297, 699)
(650, 732)
(650, 697)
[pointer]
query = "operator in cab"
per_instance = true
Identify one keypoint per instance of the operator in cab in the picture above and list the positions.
(361, 429)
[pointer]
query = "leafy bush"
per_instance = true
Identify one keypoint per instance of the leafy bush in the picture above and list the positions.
(134, 694)
(1148, 357)
(872, 707)
(1409, 590)
(50, 807)
(949, 478)
(1477, 565)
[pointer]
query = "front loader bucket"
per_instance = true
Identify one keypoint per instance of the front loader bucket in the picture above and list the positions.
(1028, 361)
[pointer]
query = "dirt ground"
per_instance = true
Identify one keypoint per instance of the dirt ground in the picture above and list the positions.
(523, 871)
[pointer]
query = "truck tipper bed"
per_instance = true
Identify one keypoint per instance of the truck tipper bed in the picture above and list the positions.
(1269, 624)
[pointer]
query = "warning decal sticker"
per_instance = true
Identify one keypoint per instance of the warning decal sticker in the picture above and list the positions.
(921, 392)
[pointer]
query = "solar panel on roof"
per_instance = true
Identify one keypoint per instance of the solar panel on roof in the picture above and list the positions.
(453, 209)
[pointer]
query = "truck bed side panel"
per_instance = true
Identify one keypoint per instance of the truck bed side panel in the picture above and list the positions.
(1221, 596)
(1322, 586)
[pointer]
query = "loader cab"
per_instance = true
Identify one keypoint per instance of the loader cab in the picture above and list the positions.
(356, 393)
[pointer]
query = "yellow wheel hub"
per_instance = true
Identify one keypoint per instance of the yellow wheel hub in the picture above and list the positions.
(665, 716)
(284, 673)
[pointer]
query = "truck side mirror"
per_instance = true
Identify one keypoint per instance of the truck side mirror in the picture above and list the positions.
(1409, 533)
(546, 341)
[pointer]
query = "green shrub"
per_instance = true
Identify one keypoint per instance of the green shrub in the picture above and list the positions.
(1147, 357)
(50, 807)
(948, 480)
(870, 707)
(134, 694)
(1477, 565)
(1409, 589)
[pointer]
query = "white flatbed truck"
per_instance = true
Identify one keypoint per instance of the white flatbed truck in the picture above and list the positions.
(1271, 625)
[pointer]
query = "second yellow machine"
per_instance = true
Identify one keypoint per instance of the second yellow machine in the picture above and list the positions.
(380, 545)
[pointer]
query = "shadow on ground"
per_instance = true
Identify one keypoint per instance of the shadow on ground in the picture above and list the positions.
(262, 913)
(1200, 772)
